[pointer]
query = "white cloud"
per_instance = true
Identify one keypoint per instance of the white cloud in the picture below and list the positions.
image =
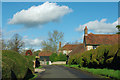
(100, 26)
(32, 42)
(38, 15)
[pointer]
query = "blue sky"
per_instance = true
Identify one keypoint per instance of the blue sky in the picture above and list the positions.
(100, 17)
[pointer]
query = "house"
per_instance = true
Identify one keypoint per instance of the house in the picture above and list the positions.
(92, 41)
(79, 49)
(45, 57)
(66, 49)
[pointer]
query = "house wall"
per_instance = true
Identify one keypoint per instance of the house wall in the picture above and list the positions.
(66, 51)
(89, 47)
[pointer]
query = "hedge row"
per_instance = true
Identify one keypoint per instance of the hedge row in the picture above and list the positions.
(58, 57)
(105, 56)
(14, 65)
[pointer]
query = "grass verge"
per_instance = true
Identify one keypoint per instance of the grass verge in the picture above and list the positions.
(115, 74)
(39, 67)
(36, 74)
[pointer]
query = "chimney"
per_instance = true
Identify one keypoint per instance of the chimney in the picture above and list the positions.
(85, 31)
(59, 45)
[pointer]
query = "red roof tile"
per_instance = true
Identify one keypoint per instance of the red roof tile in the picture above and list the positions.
(45, 53)
(69, 46)
(79, 49)
(101, 38)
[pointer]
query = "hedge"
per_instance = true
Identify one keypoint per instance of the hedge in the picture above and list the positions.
(14, 65)
(58, 57)
(105, 56)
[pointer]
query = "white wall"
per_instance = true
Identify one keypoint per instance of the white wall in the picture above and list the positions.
(66, 51)
(89, 47)
(59, 62)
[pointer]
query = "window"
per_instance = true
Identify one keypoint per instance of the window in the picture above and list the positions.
(94, 47)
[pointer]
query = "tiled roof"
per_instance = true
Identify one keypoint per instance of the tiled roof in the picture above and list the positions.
(101, 38)
(69, 46)
(79, 49)
(45, 53)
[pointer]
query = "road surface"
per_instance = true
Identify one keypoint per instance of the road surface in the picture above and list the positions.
(59, 71)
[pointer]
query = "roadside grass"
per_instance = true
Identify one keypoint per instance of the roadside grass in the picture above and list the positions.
(39, 67)
(115, 74)
(35, 74)
(74, 66)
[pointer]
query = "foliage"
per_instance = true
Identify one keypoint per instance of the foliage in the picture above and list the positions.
(105, 56)
(52, 44)
(53, 57)
(36, 52)
(62, 57)
(15, 63)
(118, 26)
(58, 57)
(15, 43)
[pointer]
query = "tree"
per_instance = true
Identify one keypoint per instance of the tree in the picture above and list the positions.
(54, 38)
(62, 57)
(118, 26)
(3, 45)
(53, 57)
(16, 43)
(36, 52)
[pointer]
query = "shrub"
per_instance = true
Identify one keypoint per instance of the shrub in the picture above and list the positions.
(105, 56)
(62, 57)
(14, 63)
(53, 57)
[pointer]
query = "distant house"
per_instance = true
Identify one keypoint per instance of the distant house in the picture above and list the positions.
(44, 57)
(92, 41)
(66, 49)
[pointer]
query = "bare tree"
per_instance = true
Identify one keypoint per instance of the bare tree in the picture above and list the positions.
(16, 43)
(54, 38)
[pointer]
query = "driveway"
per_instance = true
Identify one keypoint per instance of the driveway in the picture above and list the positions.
(59, 71)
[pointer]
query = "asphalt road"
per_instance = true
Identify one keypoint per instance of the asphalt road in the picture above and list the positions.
(59, 71)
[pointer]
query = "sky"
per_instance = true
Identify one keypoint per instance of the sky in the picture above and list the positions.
(33, 20)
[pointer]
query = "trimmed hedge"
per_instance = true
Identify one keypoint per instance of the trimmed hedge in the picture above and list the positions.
(58, 57)
(14, 65)
(105, 56)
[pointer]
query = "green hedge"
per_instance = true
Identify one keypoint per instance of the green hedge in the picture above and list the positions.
(58, 57)
(15, 64)
(105, 56)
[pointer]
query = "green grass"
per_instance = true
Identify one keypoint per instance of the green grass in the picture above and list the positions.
(35, 75)
(75, 66)
(39, 67)
(103, 72)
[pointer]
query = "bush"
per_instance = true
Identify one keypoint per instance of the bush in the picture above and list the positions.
(105, 56)
(62, 57)
(53, 57)
(14, 63)
(58, 57)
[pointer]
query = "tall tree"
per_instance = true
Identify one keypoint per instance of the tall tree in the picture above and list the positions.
(118, 26)
(52, 43)
(16, 43)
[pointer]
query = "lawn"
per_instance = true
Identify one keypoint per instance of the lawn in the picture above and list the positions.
(104, 72)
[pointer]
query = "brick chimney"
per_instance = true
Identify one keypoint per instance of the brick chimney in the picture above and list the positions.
(59, 45)
(85, 31)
